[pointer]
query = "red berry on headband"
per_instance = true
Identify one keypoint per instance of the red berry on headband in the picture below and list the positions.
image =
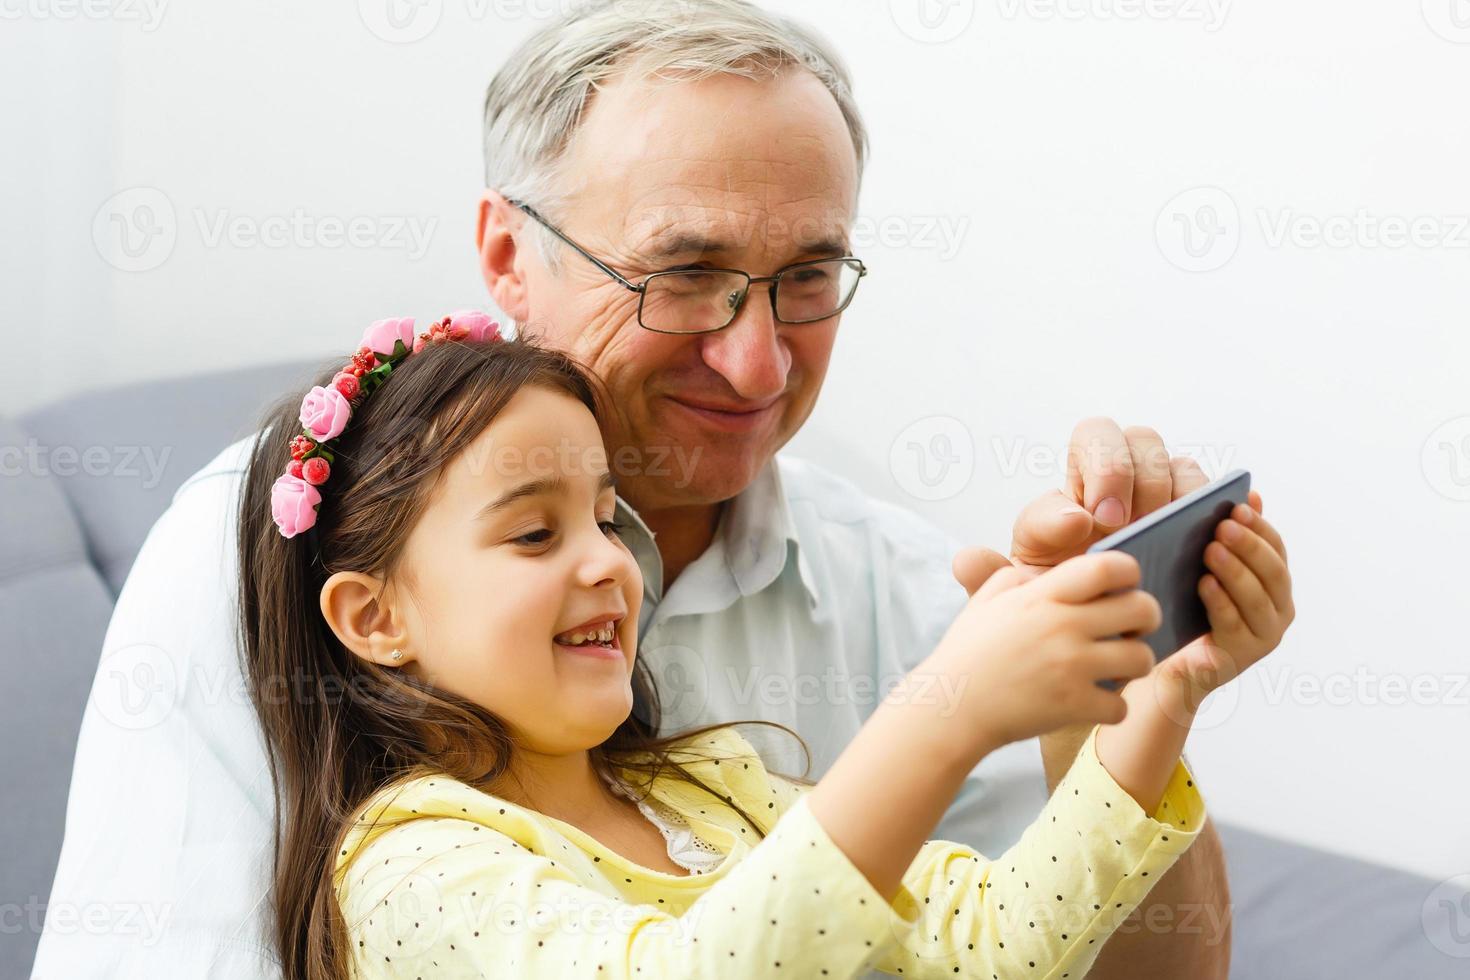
(364, 359)
(347, 384)
(300, 446)
(294, 468)
(315, 471)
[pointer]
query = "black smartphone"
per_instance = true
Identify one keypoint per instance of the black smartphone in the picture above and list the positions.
(1170, 547)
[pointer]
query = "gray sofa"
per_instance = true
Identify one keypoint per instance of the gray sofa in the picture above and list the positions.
(68, 536)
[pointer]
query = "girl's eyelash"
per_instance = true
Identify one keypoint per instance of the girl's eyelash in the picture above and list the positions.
(542, 535)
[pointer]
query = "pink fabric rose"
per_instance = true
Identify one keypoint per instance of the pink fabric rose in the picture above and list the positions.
(324, 413)
(293, 504)
(481, 328)
(381, 335)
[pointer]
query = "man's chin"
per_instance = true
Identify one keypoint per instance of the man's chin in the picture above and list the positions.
(687, 461)
(678, 476)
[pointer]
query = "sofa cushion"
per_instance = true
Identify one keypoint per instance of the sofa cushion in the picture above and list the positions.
(120, 454)
(84, 481)
(1305, 913)
(54, 609)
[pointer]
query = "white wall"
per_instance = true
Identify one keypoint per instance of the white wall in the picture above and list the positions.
(1024, 229)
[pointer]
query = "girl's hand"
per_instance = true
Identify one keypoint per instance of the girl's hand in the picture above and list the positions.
(1247, 594)
(1027, 651)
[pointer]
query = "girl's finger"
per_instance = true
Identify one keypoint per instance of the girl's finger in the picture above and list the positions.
(1224, 617)
(973, 566)
(1086, 577)
(1103, 707)
(1253, 520)
(1124, 659)
(1245, 590)
(1002, 579)
(1134, 611)
(1263, 560)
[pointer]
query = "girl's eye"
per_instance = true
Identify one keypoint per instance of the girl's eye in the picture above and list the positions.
(612, 528)
(534, 537)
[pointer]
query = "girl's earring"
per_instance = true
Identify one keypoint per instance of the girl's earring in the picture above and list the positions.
(397, 654)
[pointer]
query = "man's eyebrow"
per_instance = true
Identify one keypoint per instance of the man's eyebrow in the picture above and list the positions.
(828, 247)
(678, 244)
(681, 244)
(537, 488)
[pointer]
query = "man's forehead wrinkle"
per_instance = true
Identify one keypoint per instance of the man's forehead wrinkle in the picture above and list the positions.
(737, 222)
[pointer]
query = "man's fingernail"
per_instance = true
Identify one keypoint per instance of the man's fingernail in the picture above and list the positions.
(1110, 512)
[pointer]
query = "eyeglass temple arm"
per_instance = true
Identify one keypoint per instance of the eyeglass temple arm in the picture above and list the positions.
(533, 213)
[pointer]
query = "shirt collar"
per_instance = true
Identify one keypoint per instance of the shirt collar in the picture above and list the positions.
(759, 533)
(756, 537)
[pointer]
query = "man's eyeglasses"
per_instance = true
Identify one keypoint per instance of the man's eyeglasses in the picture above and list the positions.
(690, 301)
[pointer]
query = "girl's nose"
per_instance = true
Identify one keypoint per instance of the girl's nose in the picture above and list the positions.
(605, 562)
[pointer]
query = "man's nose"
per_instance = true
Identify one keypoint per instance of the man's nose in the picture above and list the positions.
(749, 354)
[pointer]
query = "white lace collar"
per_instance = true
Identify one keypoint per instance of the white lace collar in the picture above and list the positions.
(686, 848)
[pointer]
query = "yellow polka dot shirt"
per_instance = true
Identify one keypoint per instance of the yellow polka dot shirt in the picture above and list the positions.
(437, 879)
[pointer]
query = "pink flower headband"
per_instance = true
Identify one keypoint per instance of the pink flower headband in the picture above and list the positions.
(326, 411)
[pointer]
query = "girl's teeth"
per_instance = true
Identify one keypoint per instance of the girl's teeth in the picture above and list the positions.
(602, 635)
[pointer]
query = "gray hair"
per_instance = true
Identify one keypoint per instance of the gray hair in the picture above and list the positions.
(535, 102)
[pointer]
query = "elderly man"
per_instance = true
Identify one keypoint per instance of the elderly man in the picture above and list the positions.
(672, 188)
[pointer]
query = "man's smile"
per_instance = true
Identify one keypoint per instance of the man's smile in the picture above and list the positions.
(728, 416)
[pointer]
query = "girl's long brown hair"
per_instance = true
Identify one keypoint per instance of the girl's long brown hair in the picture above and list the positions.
(338, 728)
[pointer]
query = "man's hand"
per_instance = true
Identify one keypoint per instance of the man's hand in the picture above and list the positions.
(1114, 477)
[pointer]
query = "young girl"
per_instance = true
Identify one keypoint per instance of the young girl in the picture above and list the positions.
(440, 621)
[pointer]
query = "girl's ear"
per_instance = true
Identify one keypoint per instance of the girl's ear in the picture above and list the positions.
(353, 607)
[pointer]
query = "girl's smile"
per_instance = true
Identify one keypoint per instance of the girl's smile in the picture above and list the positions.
(596, 638)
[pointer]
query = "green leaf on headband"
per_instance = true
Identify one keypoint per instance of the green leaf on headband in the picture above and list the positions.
(319, 449)
(370, 381)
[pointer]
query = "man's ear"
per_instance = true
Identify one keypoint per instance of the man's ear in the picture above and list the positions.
(353, 606)
(495, 233)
